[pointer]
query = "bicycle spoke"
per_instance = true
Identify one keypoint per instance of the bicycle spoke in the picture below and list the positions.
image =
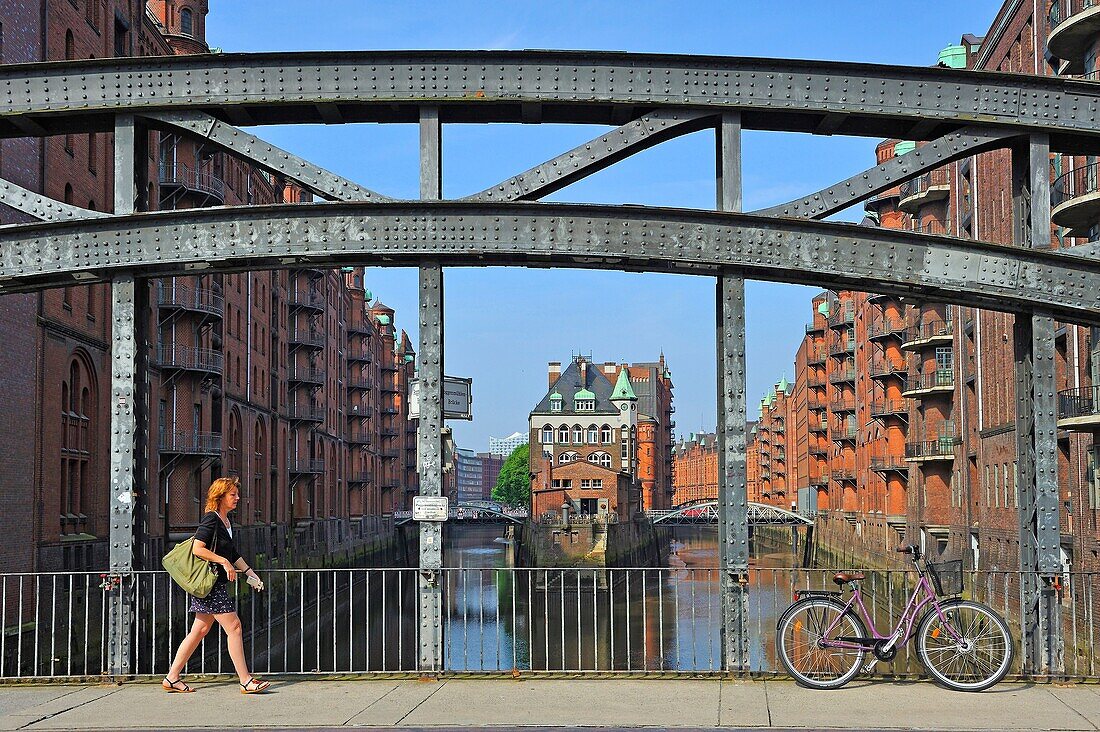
(967, 647)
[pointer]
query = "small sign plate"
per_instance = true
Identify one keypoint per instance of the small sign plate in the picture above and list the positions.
(457, 398)
(427, 508)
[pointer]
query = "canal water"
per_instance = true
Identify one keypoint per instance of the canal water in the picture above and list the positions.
(499, 618)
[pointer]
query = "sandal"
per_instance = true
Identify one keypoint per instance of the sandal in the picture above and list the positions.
(260, 686)
(173, 687)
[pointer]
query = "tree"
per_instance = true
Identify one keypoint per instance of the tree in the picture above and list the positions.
(513, 487)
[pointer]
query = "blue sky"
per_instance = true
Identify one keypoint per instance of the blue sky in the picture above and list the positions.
(503, 325)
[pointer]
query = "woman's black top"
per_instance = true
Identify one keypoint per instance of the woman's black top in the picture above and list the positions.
(211, 523)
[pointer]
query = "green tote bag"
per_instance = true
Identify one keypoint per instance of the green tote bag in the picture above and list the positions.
(196, 576)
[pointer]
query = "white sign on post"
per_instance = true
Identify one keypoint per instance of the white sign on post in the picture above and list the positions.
(429, 508)
(458, 398)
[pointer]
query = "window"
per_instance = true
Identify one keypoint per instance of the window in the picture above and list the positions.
(593, 434)
(945, 360)
(122, 38)
(578, 435)
(568, 457)
(585, 405)
(566, 483)
(555, 405)
(93, 152)
(547, 435)
(77, 408)
(600, 458)
(605, 434)
(186, 22)
(593, 484)
(563, 435)
(70, 46)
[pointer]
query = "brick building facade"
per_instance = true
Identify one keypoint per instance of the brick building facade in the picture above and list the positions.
(292, 380)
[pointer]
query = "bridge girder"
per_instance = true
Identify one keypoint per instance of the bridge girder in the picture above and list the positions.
(34, 256)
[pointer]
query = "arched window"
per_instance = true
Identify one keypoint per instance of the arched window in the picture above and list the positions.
(70, 46)
(605, 434)
(593, 434)
(77, 413)
(568, 457)
(259, 458)
(563, 434)
(600, 458)
(578, 435)
(68, 193)
(186, 22)
(547, 435)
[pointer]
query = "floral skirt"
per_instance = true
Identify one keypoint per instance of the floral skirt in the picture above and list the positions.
(215, 603)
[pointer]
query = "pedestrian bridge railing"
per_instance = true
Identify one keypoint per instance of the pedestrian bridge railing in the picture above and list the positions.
(496, 620)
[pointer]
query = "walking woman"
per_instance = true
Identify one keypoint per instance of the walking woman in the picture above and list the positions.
(215, 530)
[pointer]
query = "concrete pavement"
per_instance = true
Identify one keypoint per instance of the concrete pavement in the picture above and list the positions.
(621, 703)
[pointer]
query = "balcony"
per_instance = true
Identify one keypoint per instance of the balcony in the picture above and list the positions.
(177, 179)
(819, 427)
(842, 317)
(1075, 199)
(176, 296)
(306, 298)
(175, 442)
(889, 464)
(307, 338)
(886, 328)
(924, 189)
(355, 412)
(844, 474)
(305, 466)
(931, 226)
(360, 329)
(388, 365)
(819, 452)
(939, 381)
(889, 408)
(359, 354)
(942, 448)
(1079, 409)
(814, 328)
(361, 383)
(815, 381)
(359, 437)
(819, 481)
(361, 476)
(845, 434)
(816, 358)
(841, 406)
(389, 410)
(843, 375)
(390, 454)
(187, 358)
(1074, 25)
(306, 375)
(842, 347)
(932, 333)
(888, 370)
(305, 412)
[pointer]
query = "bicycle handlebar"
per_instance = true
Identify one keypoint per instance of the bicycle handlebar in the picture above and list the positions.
(910, 549)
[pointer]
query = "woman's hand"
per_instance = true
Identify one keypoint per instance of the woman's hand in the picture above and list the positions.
(230, 570)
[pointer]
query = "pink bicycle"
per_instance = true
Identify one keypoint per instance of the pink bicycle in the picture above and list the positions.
(964, 645)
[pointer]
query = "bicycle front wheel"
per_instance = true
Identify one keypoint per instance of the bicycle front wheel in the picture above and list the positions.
(966, 646)
(804, 648)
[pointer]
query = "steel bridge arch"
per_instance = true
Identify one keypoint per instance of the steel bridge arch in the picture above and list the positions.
(478, 507)
(760, 514)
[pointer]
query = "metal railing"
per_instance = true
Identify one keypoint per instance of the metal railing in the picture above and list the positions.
(184, 442)
(307, 338)
(844, 433)
(1061, 10)
(881, 463)
(843, 374)
(306, 412)
(307, 298)
(305, 466)
(889, 407)
(1074, 184)
(184, 175)
(885, 328)
(1082, 402)
(495, 620)
(190, 358)
(928, 330)
(843, 405)
(199, 299)
(941, 447)
(307, 374)
(939, 379)
(931, 226)
(936, 178)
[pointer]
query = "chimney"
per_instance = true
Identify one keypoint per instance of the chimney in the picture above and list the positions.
(609, 368)
(554, 371)
(584, 374)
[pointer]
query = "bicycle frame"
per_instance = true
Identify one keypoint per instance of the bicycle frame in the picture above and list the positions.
(922, 596)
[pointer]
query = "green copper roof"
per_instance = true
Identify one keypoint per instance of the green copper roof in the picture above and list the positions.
(556, 396)
(905, 146)
(953, 57)
(823, 308)
(623, 390)
(583, 394)
(368, 295)
(784, 385)
(384, 319)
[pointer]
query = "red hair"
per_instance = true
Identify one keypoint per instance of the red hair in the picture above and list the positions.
(218, 490)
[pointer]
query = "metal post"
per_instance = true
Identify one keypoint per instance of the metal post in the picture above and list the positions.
(733, 531)
(429, 433)
(1036, 430)
(124, 427)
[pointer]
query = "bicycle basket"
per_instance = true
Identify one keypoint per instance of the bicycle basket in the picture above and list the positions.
(947, 577)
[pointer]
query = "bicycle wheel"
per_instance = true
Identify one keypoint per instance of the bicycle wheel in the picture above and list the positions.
(800, 634)
(968, 649)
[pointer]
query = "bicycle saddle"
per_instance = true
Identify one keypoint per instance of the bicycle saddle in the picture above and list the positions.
(843, 578)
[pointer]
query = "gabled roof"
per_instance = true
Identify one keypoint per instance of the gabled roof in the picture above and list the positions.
(569, 383)
(623, 389)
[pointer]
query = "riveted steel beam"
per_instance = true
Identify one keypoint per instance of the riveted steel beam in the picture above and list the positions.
(733, 507)
(263, 154)
(41, 207)
(595, 155)
(429, 432)
(564, 86)
(897, 170)
(37, 256)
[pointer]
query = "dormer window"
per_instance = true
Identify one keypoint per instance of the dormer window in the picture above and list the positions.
(555, 405)
(187, 23)
(586, 405)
